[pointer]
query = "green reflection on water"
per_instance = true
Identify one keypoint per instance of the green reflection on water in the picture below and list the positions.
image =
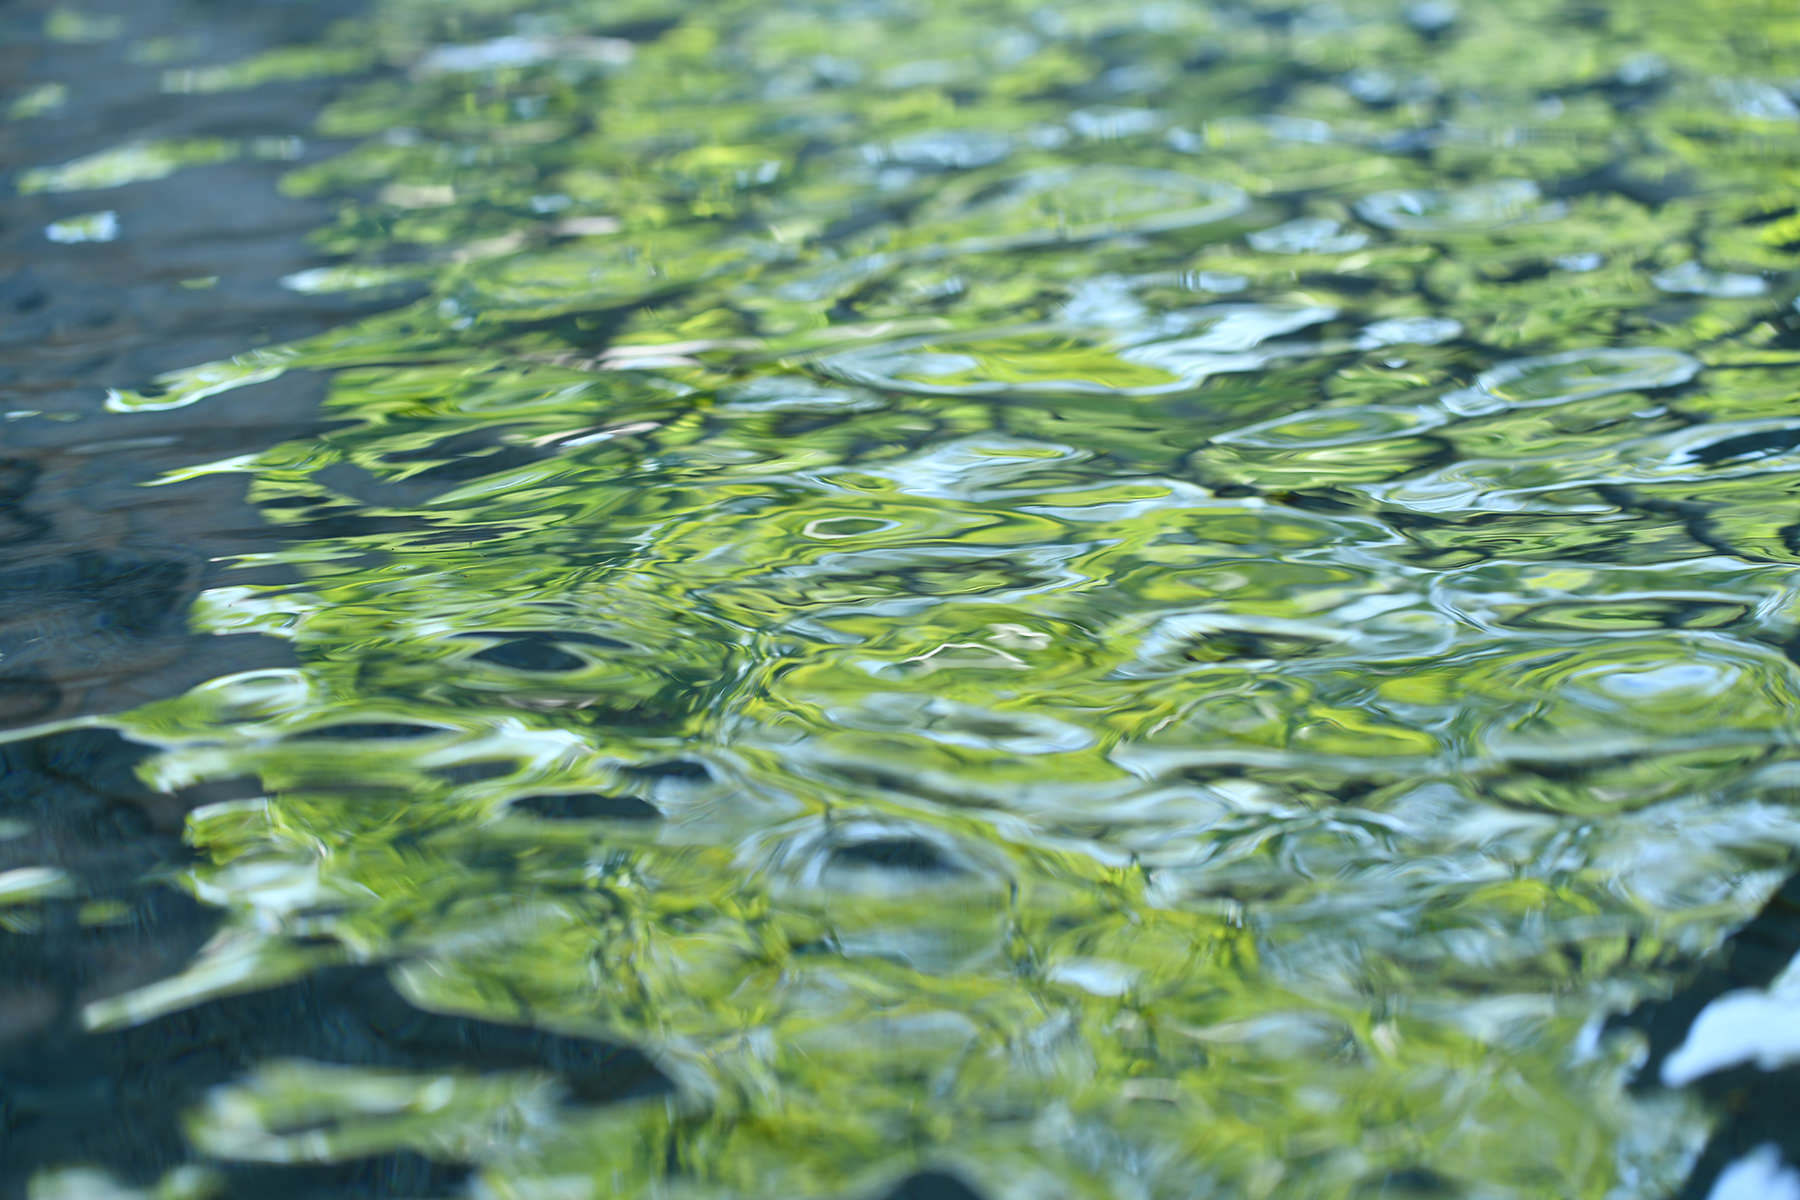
(1199, 589)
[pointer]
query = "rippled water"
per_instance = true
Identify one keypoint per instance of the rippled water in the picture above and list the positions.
(1096, 600)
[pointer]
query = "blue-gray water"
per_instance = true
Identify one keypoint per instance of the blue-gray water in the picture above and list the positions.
(899, 598)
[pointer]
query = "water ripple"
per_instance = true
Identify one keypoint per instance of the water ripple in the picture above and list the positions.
(1103, 599)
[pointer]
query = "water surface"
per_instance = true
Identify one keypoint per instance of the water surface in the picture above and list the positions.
(1105, 600)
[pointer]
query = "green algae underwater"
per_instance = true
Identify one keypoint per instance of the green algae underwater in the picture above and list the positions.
(1123, 600)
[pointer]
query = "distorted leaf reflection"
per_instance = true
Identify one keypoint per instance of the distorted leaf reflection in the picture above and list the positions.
(1012, 599)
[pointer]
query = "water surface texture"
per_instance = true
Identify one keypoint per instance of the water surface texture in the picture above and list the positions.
(1095, 599)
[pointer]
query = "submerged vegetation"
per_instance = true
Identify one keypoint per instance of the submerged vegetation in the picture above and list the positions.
(1125, 600)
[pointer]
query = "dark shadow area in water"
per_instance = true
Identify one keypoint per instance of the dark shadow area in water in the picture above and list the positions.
(587, 807)
(83, 317)
(116, 1099)
(933, 1185)
(97, 571)
(896, 854)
